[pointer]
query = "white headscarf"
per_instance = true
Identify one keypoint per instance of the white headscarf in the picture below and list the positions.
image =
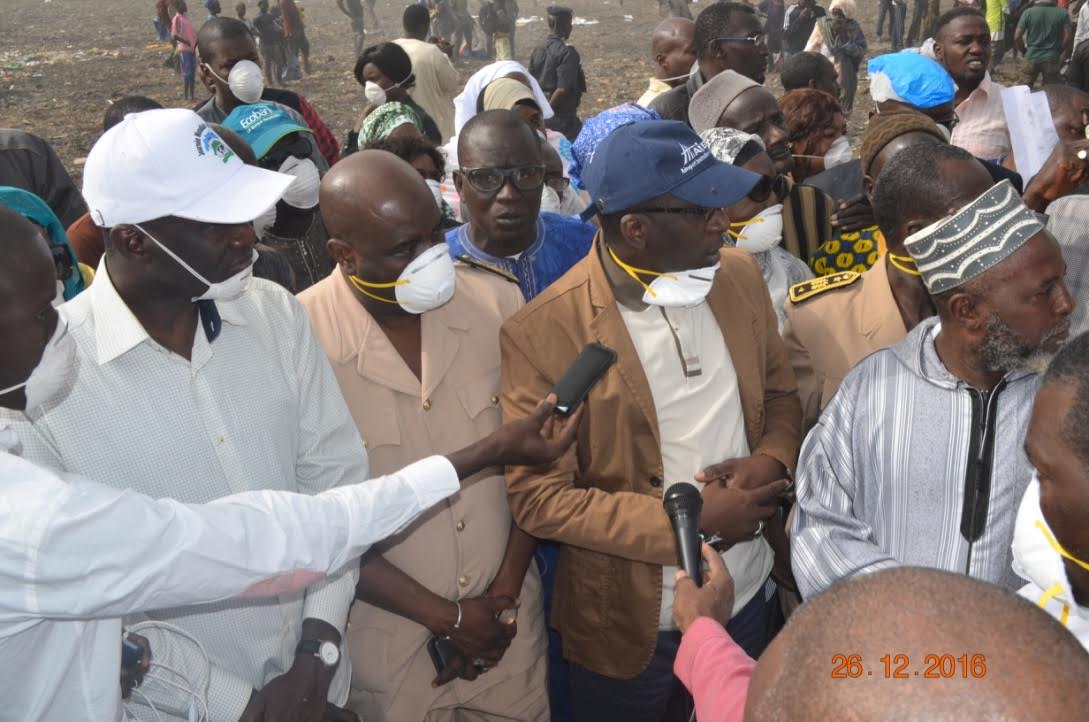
(465, 102)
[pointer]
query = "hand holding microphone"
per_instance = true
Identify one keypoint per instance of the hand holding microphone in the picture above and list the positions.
(683, 505)
(715, 599)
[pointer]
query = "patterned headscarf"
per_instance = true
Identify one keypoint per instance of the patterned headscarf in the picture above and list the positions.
(34, 209)
(598, 128)
(732, 146)
(385, 119)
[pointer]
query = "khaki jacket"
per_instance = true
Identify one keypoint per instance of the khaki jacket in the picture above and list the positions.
(603, 499)
(827, 333)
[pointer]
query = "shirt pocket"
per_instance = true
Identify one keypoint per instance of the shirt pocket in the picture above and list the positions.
(480, 399)
(379, 427)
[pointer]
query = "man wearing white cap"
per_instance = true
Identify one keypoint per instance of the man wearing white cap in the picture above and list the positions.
(196, 381)
(60, 617)
(918, 460)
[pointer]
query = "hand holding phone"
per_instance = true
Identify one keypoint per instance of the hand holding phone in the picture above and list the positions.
(575, 384)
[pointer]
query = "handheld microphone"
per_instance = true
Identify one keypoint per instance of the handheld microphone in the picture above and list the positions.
(683, 504)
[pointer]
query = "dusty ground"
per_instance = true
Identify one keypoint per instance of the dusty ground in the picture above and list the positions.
(61, 61)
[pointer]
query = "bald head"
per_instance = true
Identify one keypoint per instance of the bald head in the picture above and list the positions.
(487, 131)
(1031, 669)
(672, 49)
(369, 193)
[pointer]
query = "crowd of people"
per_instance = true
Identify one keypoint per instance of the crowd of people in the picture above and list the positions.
(278, 431)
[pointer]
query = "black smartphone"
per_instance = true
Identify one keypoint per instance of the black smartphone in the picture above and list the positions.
(580, 377)
(441, 651)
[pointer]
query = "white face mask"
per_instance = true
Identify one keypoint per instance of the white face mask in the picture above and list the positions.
(1036, 555)
(374, 93)
(226, 290)
(946, 132)
(677, 289)
(265, 221)
(54, 372)
(761, 232)
(58, 299)
(303, 191)
(839, 153)
(245, 80)
(425, 284)
(570, 205)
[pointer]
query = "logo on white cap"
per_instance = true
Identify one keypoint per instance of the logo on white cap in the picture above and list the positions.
(208, 141)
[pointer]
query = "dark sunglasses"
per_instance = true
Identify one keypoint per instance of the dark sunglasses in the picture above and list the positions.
(767, 185)
(707, 213)
(490, 180)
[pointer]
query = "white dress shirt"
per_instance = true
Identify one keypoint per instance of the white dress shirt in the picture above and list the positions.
(700, 421)
(258, 408)
(75, 556)
(982, 130)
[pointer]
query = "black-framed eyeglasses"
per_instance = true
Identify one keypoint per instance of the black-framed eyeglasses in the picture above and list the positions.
(490, 180)
(777, 184)
(707, 213)
(755, 40)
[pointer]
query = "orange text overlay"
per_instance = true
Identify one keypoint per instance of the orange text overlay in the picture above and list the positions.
(902, 666)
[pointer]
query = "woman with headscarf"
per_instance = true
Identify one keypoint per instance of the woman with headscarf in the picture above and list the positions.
(72, 278)
(392, 119)
(756, 221)
(466, 103)
(839, 37)
(385, 72)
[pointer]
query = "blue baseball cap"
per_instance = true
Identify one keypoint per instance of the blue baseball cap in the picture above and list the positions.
(262, 125)
(644, 160)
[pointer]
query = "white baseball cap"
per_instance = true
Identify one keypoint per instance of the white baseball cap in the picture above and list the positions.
(170, 163)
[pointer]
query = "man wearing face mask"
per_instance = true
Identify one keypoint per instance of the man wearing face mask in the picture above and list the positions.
(701, 392)
(181, 354)
(756, 221)
(229, 66)
(673, 53)
(414, 344)
(170, 553)
(292, 225)
(1050, 544)
(917, 460)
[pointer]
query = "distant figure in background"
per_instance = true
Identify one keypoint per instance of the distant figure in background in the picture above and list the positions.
(240, 12)
(181, 29)
(374, 18)
(295, 32)
(354, 10)
(162, 19)
(798, 25)
(271, 36)
(214, 9)
(918, 12)
(671, 47)
(506, 25)
(884, 9)
(557, 66)
(674, 9)
(840, 39)
(436, 80)
(775, 12)
(1044, 35)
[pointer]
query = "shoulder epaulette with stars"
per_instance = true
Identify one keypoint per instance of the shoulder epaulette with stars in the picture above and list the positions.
(815, 286)
(489, 267)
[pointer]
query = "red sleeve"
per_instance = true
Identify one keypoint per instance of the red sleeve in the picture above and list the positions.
(327, 142)
(715, 670)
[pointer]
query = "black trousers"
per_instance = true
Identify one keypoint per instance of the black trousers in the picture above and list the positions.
(657, 695)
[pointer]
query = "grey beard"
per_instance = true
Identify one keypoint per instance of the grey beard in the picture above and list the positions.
(1004, 350)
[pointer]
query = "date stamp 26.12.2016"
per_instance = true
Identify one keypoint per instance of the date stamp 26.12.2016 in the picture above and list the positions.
(902, 666)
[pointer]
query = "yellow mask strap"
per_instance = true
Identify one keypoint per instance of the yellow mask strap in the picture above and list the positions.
(741, 224)
(905, 264)
(361, 286)
(1048, 596)
(1059, 547)
(634, 273)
